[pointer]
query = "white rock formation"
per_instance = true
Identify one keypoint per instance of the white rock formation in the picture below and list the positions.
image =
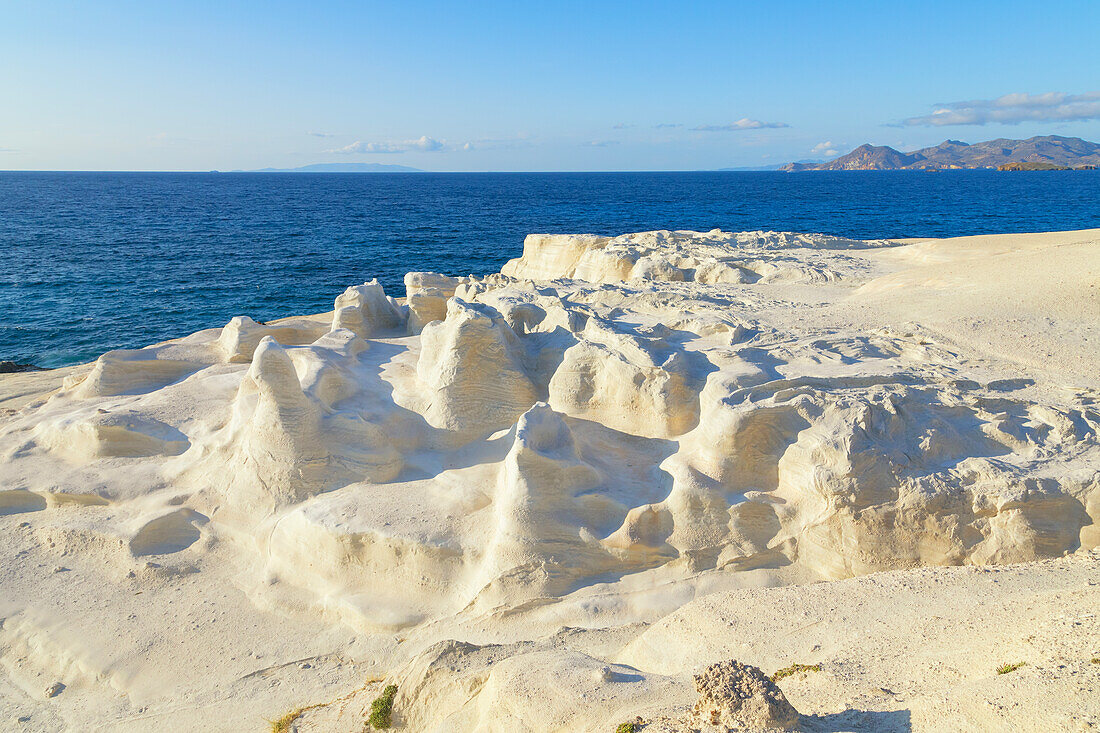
(470, 365)
(542, 541)
(426, 295)
(710, 258)
(240, 337)
(546, 462)
(376, 312)
(627, 383)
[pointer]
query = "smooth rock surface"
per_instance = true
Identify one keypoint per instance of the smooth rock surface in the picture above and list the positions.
(550, 496)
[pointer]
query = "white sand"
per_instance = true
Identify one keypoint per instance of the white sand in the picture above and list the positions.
(541, 500)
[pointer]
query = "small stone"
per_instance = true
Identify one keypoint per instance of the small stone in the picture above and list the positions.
(305, 665)
(60, 569)
(738, 695)
(55, 689)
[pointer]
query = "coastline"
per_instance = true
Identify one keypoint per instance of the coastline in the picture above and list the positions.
(547, 497)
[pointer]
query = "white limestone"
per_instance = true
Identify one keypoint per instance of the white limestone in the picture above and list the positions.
(610, 431)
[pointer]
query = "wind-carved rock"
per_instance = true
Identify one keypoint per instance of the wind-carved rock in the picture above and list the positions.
(712, 258)
(376, 312)
(811, 475)
(541, 543)
(471, 366)
(279, 427)
(426, 294)
(102, 434)
(350, 318)
(128, 371)
(550, 256)
(613, 378)
(913, 474)
(285, 442)
(240, 337)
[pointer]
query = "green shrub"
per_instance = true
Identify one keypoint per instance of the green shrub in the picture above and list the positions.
(627, 728)
(382, 708)
(1006, 668)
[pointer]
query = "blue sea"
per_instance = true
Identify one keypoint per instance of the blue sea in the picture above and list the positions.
(97, 261)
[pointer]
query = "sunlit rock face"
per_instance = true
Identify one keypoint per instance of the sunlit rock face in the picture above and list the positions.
(606, 405)
(471, 365)
(608, 415)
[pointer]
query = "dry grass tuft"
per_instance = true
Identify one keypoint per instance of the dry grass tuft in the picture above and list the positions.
(282, 725)
(795, 669)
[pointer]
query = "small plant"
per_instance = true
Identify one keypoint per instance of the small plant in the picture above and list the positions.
(627, 727)
(1006, 668)
(382, 708)
(795, 669)
(282, 725)
(1096, 660)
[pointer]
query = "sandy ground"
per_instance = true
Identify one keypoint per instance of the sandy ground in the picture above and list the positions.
(543, 500)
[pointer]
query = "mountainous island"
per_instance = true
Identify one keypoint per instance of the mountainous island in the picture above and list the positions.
(1047, 152)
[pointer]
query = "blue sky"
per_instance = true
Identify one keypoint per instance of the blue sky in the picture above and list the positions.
(531, 86)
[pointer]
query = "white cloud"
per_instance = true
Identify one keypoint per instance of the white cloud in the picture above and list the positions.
(668, 124)
(622, 126)
(742, 124)
(321, 134)
(826, 148)
(427, 143)
(601, 143)
(1012, 109)
(421, 144)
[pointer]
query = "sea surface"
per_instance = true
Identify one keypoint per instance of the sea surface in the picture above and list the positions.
(97, 261)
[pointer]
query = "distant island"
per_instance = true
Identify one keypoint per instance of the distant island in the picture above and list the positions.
(1048, 152)
(751, 169)
(1041, 166)
(341, 168)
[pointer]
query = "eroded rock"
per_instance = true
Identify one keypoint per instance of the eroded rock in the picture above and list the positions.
(741, 697)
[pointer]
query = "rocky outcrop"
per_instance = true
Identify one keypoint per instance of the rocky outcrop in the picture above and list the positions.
(741, 697)
(370, 310)
(471, 366)
(609, 429)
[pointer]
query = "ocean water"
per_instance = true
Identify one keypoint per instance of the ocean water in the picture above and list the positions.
(96, 261)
